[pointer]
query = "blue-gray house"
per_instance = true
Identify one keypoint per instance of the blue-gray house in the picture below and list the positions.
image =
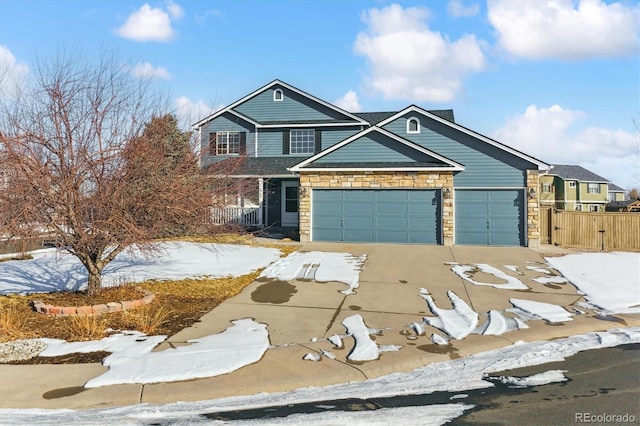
(408, 176)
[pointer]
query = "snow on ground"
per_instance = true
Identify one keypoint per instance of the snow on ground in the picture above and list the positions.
(546, 311)
(550, 280)
(610, 281)
(497, 324)
(457, 375)
(457, 322)
(56, 270)
(132, 361)
(551, 376)
(364, 349)
(319, 266)
(512, 283)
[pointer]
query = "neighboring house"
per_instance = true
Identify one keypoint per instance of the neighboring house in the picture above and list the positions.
(615, 193)
(408, 176)
(570, 187)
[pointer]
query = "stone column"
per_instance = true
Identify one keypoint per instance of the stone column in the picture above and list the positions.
(533, 209)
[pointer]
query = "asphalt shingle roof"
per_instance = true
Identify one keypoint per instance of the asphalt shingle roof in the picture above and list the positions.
(262, 166)
(568, 171)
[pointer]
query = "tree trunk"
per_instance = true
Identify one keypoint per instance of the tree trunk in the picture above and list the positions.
(95, 281)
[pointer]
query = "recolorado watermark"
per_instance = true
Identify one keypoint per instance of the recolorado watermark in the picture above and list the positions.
(604, 418)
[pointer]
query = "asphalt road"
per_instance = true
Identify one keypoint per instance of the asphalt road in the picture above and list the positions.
(602, 384)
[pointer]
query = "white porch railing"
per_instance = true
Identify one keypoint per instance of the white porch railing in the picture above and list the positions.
(246, 216)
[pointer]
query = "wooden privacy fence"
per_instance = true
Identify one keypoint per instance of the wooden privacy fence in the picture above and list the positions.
(590, 230)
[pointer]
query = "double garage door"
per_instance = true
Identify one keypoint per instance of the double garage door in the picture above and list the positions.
(377, 215)
(490, 217)
(482, 217)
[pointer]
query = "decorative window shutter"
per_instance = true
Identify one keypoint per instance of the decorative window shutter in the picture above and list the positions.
(213, 144)
(243, 143)
(285, 141)
(318, 142)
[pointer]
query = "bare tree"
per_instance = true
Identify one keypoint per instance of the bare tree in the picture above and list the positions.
(89, 154)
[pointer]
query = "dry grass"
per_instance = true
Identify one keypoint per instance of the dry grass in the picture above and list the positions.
(178, 304)
(147, 319)
(85, 327)
(13, 324)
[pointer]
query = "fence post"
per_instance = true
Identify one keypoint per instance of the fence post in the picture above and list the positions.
(552, 226)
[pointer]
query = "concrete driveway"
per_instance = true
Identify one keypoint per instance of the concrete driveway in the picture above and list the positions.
(302, 314)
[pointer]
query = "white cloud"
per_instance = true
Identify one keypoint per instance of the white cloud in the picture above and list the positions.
(564, 29)
(349, 102)
(145, 70)
(151, 23)
(408, 61)
(189, 112)
(457, 9)
(174, 10)
(12, 72)
(548, 134)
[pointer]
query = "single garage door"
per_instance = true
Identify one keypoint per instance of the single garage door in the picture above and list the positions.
(376, 215)
(490, 217)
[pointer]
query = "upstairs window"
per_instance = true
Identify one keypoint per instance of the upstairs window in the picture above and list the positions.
(572, 184)
(278, 96)
(593, 188)
(227, 143)
(413, 125)
(547, 187)
(302, 141)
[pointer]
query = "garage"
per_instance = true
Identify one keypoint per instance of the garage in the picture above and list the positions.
(490, 217)
(377, 215)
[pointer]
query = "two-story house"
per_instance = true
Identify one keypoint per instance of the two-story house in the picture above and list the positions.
(571, 187)
(408, 176)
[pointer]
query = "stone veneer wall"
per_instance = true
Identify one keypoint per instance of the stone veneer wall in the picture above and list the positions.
(372, 180)
(533, 209)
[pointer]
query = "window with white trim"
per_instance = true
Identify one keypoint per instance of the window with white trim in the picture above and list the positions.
(572, 184)
(593, 188)
(278, 96)
(302, 141)
(224, 143)
(578, 207)
(547, 187)
(413, 125)
(593, 208)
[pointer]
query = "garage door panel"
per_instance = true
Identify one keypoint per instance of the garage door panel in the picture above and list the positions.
(384, 215)
(392, 208)
(489, 217)
(397, 222)
(356, 222)
(357, 195)
(358, 235)
(391, 195)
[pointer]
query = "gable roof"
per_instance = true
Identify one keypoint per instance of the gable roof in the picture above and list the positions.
(441, 163)
(376, 117)
(573, 172)
(416, 109)
(349, 117)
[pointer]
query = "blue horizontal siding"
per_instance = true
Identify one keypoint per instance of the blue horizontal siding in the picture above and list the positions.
(485, 165)
(270, 140)
(263, 108)
(374, 147)
(226, 122)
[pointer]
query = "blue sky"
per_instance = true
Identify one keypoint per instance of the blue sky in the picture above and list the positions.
(558, 79)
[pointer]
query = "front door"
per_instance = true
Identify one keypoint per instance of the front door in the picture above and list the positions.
(289, 203)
